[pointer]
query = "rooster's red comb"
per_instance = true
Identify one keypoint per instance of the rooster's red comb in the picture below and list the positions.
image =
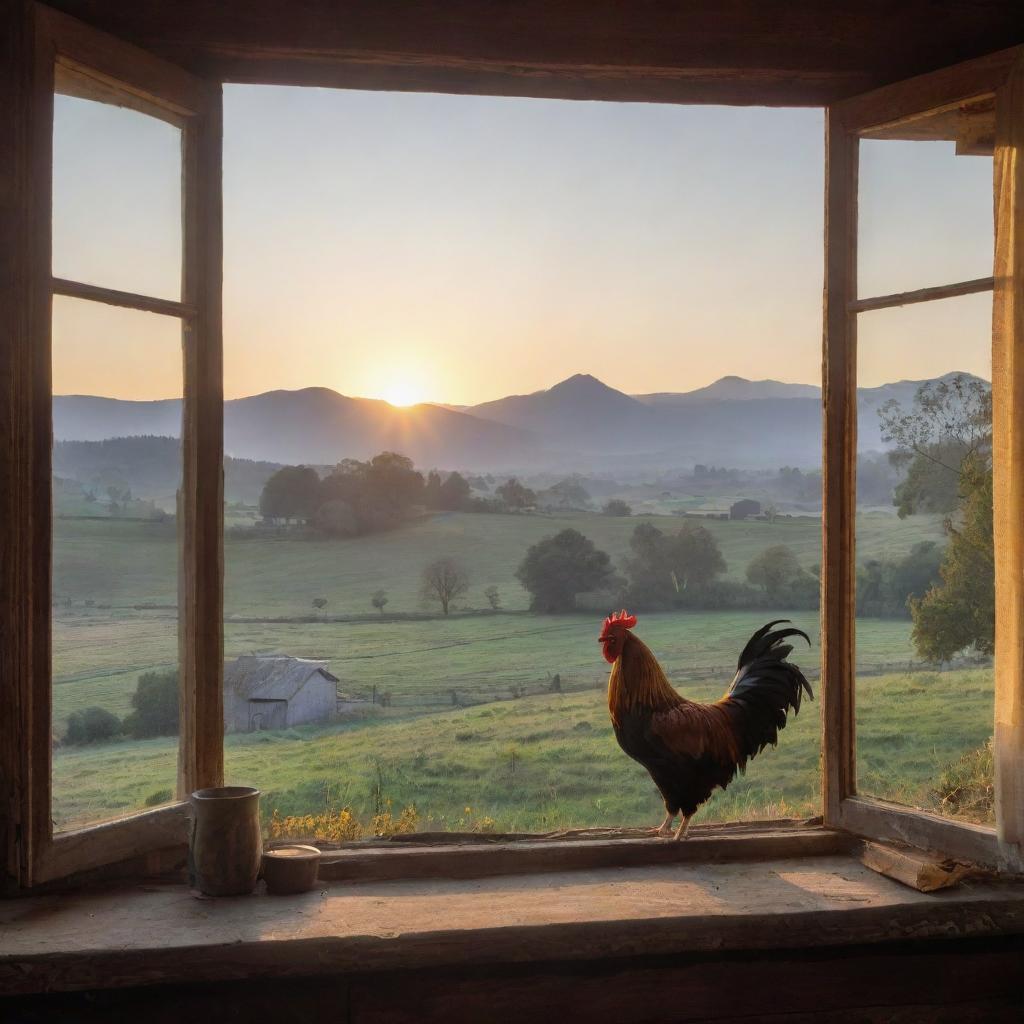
(623, 619)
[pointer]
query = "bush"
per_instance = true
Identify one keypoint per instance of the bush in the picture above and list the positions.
(616, 507)
(155, 706)
(966, 788)
(93, 725)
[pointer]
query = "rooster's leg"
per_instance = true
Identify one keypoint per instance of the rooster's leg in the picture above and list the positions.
(681, 831)
(665, 828)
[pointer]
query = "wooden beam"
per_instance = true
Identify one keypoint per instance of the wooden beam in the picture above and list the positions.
(839, 467)
(803, 52)
(1008, 466)
(20, 366)
(920, 871)
(878, 114)
(201, 575)
(126, 300)
(944, 291)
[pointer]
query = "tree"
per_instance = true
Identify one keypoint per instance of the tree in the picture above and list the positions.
(945, 440)
(92, 725)
(337, 518)
(155, 706)
(319, 603)
(960, 611)
(661, 568)
(379, 600)
(293, 492)
(454, 493)
(774, 569)
(493, 597)
(558, 568)
(616, 507)
(380, 492)
(515, 495)
(443, 581)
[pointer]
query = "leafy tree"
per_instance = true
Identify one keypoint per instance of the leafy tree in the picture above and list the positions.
(293, 492)
(960, 612)
(662, 568)
(379, 600)
(443, 581)
(154, 706)
(493, 597)
(774, 569)
(380, 492)
(516, 495)
(92, 725)
(567, 493)
(454, 493)
(885, 587)
(616, 507)
(319, 603)
(945, 440)
(337, 518)
(558, 568)
(432, 490)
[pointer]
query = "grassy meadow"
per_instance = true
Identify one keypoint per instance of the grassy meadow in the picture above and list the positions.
(114, 617)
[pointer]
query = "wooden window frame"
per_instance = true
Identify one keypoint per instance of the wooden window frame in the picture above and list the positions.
(892, 112)
(51, 51)
(33, 40)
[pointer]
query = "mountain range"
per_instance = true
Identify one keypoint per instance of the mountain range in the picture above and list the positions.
(581, 423)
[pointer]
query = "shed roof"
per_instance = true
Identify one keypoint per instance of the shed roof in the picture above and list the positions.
(271, 676)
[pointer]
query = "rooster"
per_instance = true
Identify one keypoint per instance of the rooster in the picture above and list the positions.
(691, 748)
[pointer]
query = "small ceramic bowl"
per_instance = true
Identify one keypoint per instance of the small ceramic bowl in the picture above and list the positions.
(290, 869)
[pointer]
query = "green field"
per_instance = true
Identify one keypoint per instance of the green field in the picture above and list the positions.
(114, 617)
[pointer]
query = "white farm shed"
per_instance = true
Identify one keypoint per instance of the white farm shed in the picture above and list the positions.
(276, 691)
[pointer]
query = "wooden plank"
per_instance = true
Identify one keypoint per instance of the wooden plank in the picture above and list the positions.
(201, 573)
(81, 850)
(920, 871)
(1008, 467)
(158, 87)
(888, 822)
(802, 52)
(921, 97)
(944, 291)
(839, 468)
(20, 369)
(140, 935)
(708, 845)
(127, 300)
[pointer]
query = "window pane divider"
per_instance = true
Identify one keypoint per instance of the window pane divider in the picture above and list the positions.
(942, 291)
(127, 300)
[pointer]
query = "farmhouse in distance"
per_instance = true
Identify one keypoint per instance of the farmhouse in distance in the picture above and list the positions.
(277, 691)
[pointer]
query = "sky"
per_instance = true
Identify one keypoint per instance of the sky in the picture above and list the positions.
(459, 248)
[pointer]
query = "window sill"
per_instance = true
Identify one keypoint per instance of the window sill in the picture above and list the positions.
(143, 935)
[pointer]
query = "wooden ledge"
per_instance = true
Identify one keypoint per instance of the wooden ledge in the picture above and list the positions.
(161, 934)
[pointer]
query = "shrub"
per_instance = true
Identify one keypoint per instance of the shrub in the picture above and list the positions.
(155, 706)
(159, 796)
(966, 788)
(93, 725)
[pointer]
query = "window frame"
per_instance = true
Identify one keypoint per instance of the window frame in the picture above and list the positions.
(33, 855)
(896, 108)
(59, 50)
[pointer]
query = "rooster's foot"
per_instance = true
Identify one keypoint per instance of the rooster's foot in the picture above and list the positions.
(681, 831)
(665, 828)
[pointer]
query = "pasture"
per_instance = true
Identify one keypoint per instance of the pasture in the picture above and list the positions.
(114, 617)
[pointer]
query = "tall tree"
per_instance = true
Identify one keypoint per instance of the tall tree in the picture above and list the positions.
(293, 492)
(516, 495)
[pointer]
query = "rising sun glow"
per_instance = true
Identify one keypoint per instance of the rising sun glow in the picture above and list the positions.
(402, 392)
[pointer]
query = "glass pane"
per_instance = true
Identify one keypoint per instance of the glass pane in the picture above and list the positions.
(925, 590)
(387, 668)
(116, 198)
(116, 473)
(925, 216)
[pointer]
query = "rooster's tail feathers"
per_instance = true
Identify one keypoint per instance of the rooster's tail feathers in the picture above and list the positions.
(767, 686)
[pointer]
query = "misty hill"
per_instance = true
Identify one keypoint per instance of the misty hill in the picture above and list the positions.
(313, 425)
(580, 424)
(150, 467)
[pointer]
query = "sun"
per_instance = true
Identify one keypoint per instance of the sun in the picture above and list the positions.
(402, 392)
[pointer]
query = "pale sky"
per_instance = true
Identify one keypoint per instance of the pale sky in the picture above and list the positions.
(458, 249)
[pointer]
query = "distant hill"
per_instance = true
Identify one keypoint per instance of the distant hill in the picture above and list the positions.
(580, 424)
